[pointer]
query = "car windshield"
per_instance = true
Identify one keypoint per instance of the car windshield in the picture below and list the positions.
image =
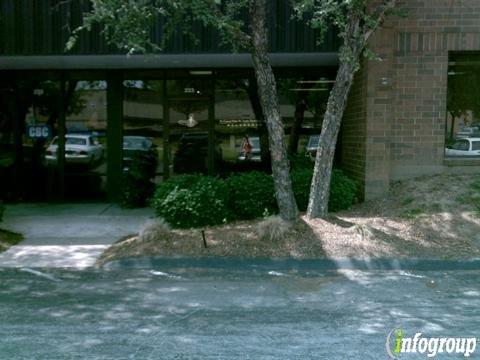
(461, 145)
(135, 143)
(71, 141)
(313, 141)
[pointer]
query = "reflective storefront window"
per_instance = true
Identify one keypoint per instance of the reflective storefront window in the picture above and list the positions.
(85, 140)
(188, 106)
(7, 138)
(462, 128)
(302, 105)
(143, 141)
(239, 125)
(36, 118)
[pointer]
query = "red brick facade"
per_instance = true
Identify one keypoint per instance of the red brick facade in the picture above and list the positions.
(398, 106)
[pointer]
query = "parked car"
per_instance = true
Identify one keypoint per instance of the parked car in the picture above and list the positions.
(312, 145)
(134, 146)
(466, 147)
(79, 149)
(250, 149)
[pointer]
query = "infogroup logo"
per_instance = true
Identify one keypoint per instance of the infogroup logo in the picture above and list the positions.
(398, 344)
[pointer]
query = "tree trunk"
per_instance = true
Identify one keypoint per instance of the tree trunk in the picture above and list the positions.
(452, 126)
(267, 92)
(337, 101)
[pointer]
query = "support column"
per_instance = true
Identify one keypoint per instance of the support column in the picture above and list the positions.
(114, 135)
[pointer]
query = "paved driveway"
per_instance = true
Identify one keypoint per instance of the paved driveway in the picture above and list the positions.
(66, 235)
(247, 313)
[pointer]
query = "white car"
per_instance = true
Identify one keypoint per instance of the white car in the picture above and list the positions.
(312, 145)
(466, 147)
(79, 149)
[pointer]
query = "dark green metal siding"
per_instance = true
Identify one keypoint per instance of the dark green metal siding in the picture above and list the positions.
(42, 27)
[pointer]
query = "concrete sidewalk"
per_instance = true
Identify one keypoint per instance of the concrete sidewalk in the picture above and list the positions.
(66, 235)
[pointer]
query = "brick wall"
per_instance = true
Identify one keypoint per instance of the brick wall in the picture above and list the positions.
(354, 129)
(406, 93)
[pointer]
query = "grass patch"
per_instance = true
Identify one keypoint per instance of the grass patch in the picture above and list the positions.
(8, 238)
(475, 185)
(411, 214)
(470, 199)
(435, 208)
(407, 201)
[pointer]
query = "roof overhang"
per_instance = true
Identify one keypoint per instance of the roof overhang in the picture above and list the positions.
(165, 61)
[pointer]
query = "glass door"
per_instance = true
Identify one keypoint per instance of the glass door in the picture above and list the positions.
(189, 136)
(189, 123)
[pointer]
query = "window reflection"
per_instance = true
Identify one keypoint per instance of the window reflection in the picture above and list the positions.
(85, 140)
(462, 128)
(239, 127)
(143, 141)
(303, 102)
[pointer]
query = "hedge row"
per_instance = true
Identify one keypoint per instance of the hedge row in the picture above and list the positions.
(196, 200)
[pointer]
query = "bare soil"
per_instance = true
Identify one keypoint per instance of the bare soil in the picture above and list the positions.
(435, 217)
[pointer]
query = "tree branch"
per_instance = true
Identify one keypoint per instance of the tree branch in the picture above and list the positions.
(381, 16)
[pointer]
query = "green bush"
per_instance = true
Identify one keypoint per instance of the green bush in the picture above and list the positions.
(2, 210)
(343, 190)
(137, 184)
(301, 162)
(181, 182)
(251, 195)
(301, 180)
(188, 201)
(192, 201)
(136, 192)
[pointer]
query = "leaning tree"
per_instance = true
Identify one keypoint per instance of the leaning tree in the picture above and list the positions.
(356, 21)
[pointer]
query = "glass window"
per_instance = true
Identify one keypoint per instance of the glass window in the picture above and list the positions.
(38, 103)
(85, 160)
(303, 101)
(240, 134)
(463, 105)
(7, 139)
(461, 145)
(143, 127)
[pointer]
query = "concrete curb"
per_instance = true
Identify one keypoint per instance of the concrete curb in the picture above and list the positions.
(291, 264)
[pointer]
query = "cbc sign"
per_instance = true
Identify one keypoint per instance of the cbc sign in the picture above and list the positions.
(39, 131)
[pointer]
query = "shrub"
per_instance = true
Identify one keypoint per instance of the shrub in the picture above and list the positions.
(301, 180)
(137, 184)
(136, 192)
(192, 201)
(181, 182)
(251, 195)
(272, 228)
(155, 230)
(301, 162)
(343, 190)
(2, 210)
